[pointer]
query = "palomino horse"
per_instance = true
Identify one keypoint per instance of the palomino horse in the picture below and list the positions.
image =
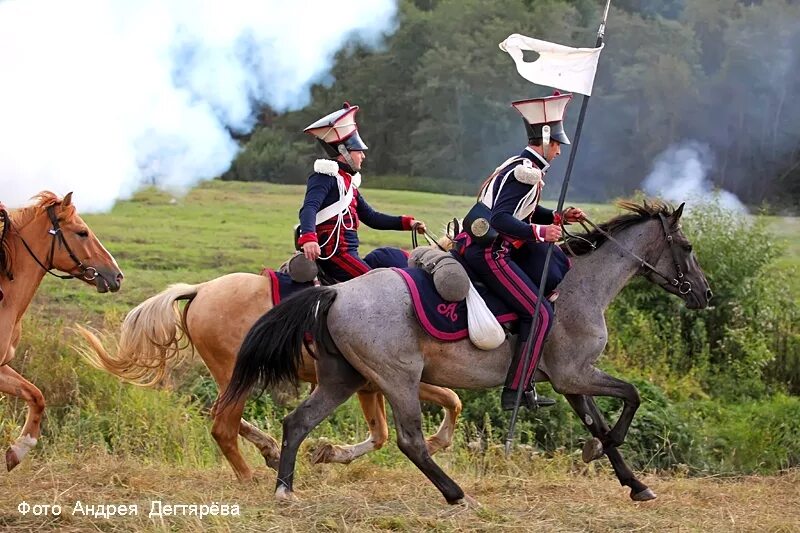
(365, 329)
(36, 241)
(216, 318)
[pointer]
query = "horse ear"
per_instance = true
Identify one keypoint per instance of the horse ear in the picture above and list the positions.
(67, 201)
(676, 215)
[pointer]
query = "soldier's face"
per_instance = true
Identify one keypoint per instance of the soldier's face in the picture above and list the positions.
(358, 158)
(554, 150)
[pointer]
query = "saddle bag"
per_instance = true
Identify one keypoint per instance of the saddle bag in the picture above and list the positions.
(478, 226)
(485, 331)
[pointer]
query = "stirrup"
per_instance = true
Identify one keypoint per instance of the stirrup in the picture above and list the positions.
(530, 399)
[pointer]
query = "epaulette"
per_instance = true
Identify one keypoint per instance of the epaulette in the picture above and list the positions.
(527, 173)
(327, 167)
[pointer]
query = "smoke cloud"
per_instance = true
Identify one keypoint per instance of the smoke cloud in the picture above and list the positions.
(680, 174)
(103, 96)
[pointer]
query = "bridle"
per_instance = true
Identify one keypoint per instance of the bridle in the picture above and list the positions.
(682, 285)
(86, 273)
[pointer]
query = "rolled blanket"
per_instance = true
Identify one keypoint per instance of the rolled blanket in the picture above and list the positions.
(449, 277)
(301, 269)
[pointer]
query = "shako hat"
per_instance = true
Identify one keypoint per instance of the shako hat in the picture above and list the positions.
(545, 111)
(338, 128)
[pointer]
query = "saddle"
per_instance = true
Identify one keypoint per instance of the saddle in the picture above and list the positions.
(449, 321)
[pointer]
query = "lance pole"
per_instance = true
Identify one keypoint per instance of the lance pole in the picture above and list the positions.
(528, 349)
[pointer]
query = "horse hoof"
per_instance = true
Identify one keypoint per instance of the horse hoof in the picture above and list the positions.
(282, 494)
(467, 501)
(434, 444)
(643, 496)
(329, 453)
(271, 461)
(11, 459)
(592, 450)
(470, 502)
(323, 454)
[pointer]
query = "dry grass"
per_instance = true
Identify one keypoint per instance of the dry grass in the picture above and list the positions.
(545, 495)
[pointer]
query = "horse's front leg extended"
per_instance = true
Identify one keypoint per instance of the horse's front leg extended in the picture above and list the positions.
(593, 419)
(631, 401)
(598, 383)
(14, 384)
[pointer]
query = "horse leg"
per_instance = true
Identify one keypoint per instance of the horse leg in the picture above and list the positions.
(631, 400)
(375, 414)
(225, 429)
(451, 403)
(590, 415)
(404, 398)
(338, 380)
(269, 448)
(598, 383)
(227, 426)
(14, 384)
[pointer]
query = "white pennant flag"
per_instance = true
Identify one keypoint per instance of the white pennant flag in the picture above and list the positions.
(558, 66)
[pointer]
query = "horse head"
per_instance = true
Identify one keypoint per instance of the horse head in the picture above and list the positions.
(650, 234)
(73, 247)
(676, 268)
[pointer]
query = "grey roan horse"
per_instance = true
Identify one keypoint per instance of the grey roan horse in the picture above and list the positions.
(365, 330)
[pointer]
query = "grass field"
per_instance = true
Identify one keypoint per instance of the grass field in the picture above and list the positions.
(540, 495)
(224, 227)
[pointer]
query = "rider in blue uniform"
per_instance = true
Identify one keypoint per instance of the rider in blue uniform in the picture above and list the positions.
(333, 206)
(508, 253)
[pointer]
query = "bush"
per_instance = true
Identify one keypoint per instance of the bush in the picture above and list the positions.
(729, 347)
(271, 156)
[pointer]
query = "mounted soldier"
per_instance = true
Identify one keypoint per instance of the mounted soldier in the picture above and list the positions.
(334, 206)
(508, 231)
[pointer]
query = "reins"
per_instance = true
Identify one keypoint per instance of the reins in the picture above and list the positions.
(432, 240)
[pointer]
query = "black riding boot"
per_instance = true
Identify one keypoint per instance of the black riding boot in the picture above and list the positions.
(530, 399)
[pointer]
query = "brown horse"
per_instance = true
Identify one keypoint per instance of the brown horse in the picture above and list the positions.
(37, 240)
(216, 318)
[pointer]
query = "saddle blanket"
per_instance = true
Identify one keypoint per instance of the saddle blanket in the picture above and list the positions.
(282, 285)
(443, 320)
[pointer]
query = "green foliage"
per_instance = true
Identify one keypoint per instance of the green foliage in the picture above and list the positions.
(271, 156)
(90, 410)
(728, 348)
(435, 99)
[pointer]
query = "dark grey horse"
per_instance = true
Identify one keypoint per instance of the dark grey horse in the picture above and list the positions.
(365, 330)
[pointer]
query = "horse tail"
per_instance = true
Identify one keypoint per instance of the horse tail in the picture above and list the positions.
(272, 351)
(153, 338)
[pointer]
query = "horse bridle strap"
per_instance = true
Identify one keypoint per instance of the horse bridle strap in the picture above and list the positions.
(684, 287)
(86, 272)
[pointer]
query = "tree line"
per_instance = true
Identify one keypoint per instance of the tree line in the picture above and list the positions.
(435, 98)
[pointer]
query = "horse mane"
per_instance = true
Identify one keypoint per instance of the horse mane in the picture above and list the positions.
(637, 213)
(21, 217)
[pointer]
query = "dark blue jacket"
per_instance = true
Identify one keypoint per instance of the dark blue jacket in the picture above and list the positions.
(503, 219)
(322, 191)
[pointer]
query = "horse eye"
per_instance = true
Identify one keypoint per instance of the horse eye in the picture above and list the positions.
(687, 247)
(83, 233)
